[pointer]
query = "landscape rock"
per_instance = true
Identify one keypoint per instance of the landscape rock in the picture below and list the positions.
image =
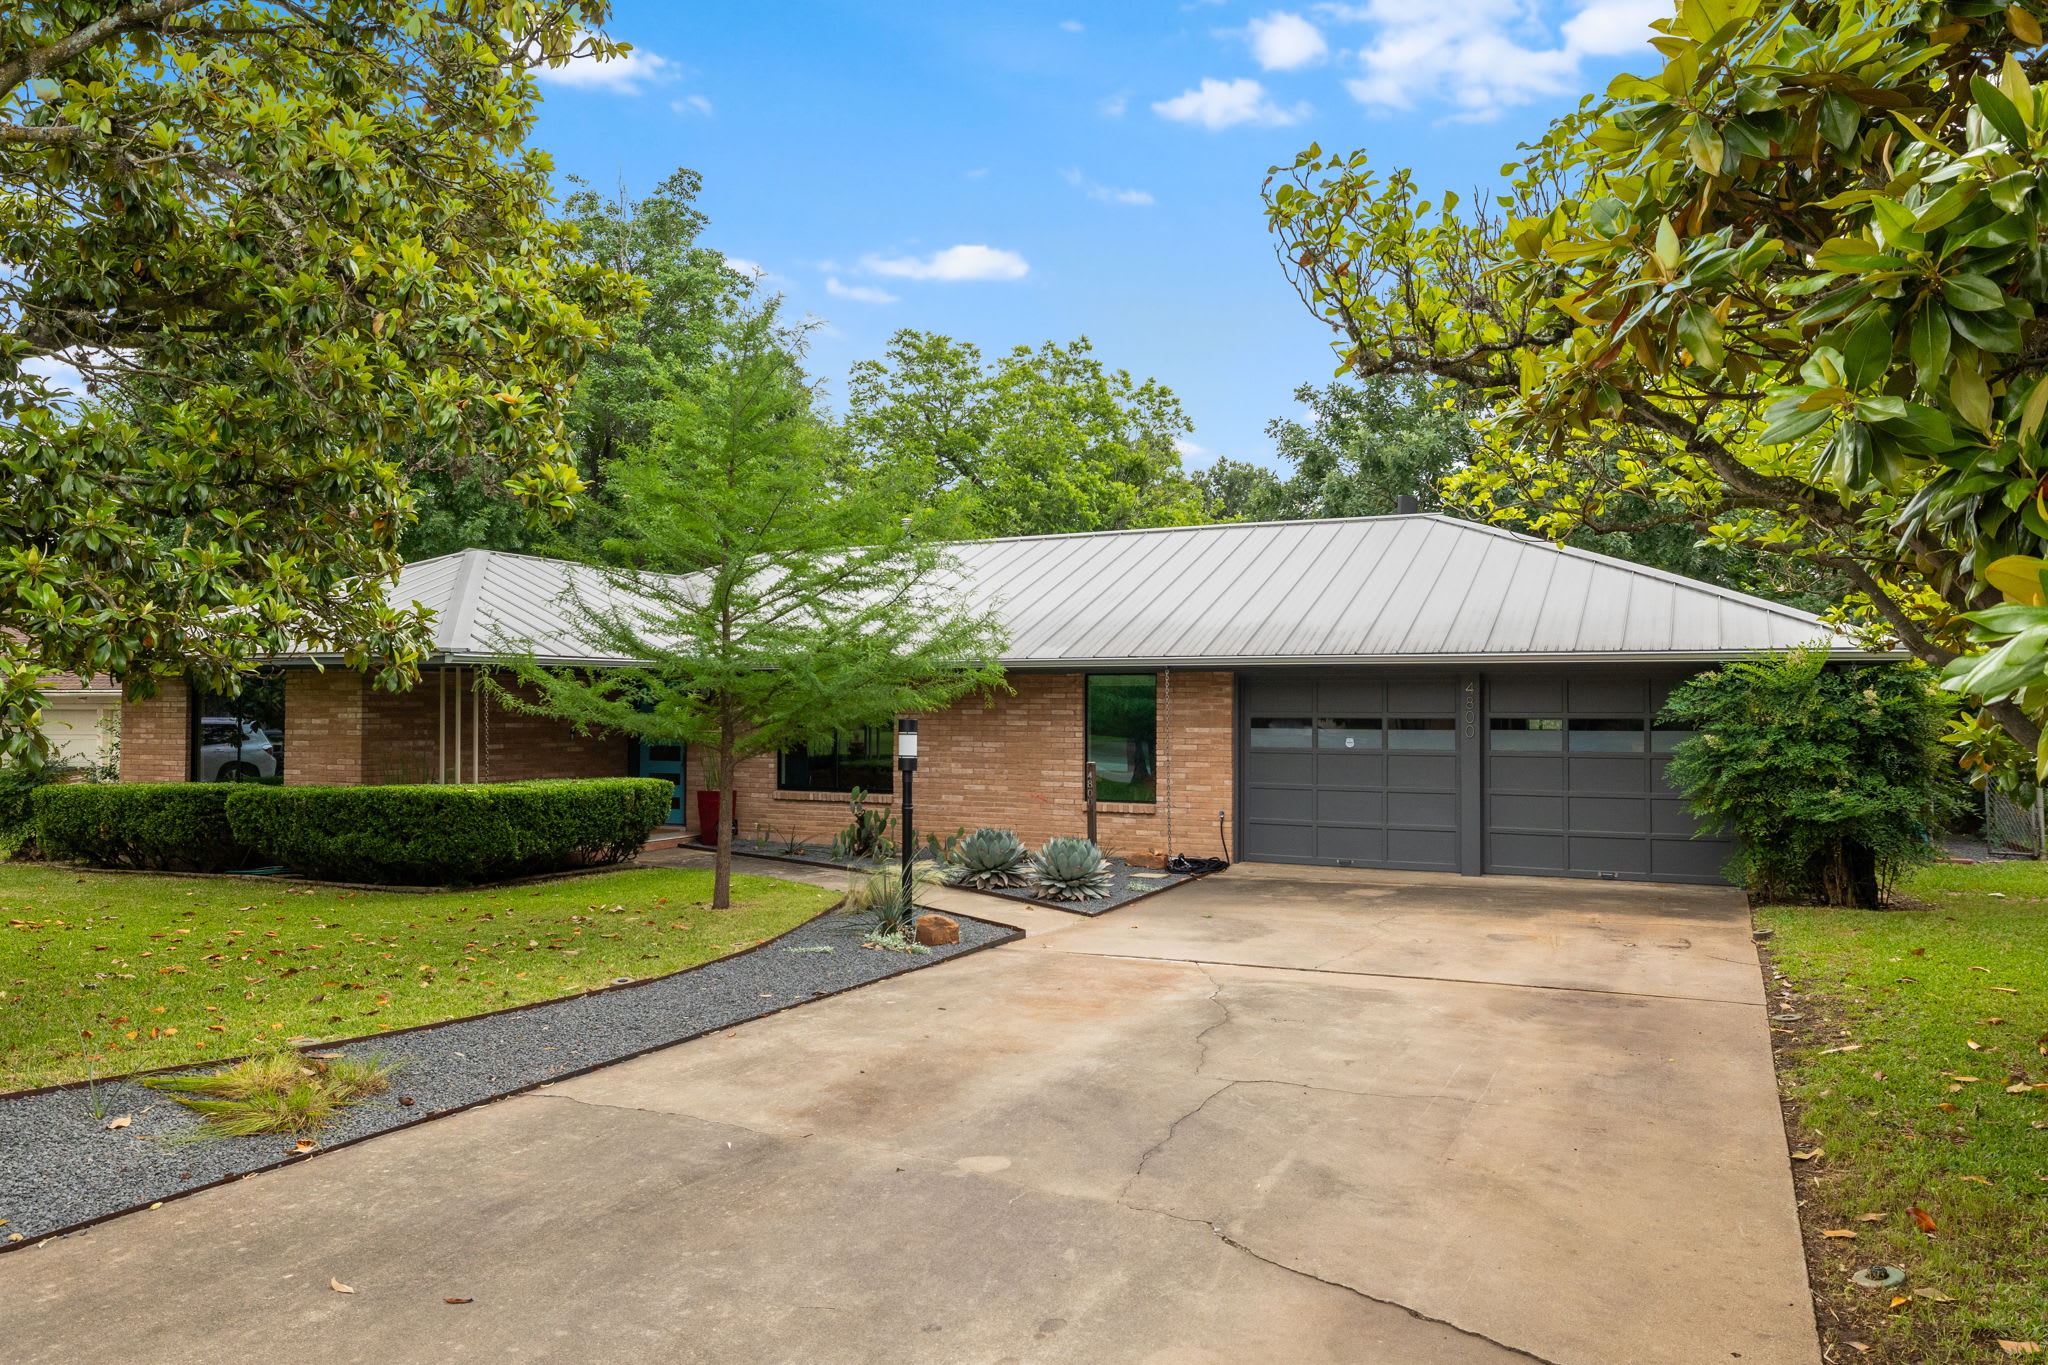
(935, 931)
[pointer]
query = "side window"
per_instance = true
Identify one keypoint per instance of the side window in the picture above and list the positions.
(1123, 735)
(863, 758)
(240, 738)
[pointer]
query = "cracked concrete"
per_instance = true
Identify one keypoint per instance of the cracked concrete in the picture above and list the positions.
(1294, 1142)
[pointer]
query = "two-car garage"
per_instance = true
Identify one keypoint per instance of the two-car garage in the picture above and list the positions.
(1536, 770)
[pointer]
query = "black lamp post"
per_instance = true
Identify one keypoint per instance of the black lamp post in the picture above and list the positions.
(906, 764)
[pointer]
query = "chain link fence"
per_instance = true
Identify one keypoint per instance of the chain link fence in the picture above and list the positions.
(2012, 830)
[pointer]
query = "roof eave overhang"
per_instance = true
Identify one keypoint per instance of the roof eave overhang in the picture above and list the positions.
(1028, 665)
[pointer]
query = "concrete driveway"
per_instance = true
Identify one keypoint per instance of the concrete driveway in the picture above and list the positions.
(1282, 1115)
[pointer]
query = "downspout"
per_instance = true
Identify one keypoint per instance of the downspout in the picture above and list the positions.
(441, 725)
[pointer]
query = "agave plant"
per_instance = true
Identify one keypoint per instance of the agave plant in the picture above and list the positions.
(1070, 869)
(989, 858)
(883, 898)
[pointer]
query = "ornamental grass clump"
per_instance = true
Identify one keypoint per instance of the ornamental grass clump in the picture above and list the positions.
(279, 1092)
(882, 896)
(989, 858)
(1070, 869)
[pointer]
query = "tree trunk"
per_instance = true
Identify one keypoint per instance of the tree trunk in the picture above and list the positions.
(721, 863)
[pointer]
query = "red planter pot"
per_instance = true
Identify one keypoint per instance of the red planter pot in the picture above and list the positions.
(707, 816)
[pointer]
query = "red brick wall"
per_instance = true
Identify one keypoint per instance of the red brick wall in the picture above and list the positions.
(518, 746)
(1014, 760)
(324, 719)
(156, 735)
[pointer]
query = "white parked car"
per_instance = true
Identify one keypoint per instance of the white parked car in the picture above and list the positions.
(233, 750)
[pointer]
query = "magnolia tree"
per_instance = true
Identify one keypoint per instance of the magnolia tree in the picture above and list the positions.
(767, 603)
(249, 251)
(1781, 292)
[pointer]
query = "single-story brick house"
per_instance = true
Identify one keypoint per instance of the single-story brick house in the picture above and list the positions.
(1410, 691)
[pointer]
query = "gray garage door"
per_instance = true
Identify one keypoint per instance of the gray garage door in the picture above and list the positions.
(1561, 776)
(1575, 781)
(1350, 770)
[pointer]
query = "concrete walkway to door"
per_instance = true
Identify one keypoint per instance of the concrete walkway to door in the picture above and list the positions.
(1285, 1115)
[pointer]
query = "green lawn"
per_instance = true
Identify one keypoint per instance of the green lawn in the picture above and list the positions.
(1919, 1029)
(108, 973)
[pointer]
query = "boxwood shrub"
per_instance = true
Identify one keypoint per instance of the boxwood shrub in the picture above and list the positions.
(162, 826)
(440, 835)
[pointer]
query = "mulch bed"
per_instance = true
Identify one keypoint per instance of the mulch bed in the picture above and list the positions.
(1127, 883)
(61, 1167)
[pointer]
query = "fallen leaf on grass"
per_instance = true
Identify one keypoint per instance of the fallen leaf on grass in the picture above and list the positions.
(1837, 1232)
(1922, 1218)
(1978, 1178)
(458, 1300)
(1846, 1047)
(2020, 1089)
(1935, 1294)
(121, 1122)
(1973, 1045)
(2019, 1348)
(1898, 1299)
(2009, 990)
(1870, 1218)
(1806, 1154)
(338, 1287)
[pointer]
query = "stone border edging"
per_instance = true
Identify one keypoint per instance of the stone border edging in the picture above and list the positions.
(1011, 935)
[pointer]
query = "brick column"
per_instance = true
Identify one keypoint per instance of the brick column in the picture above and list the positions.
(325, 724)
(156, 735)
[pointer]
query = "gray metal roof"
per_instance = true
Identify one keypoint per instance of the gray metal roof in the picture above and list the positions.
(1418, 588)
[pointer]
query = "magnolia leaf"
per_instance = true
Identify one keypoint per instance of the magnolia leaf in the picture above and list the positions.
(1999, 111)
(1971, 396)
(1667, 251)
(2019, 577)
(2023, 25)
(1929, 344)
(1973, 293)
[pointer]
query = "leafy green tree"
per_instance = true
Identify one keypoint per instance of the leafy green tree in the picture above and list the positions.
(692, 297)
(1781, 293)
(770, 605)
(1363, 447)
(1039, 442)
(1829, 776)
(246, 251)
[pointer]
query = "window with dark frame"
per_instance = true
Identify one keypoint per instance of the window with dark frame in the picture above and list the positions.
(1123, 735)
(863, 758)
(240, 738)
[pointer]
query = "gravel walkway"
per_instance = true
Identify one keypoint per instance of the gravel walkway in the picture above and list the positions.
(1127, 883)
(60, 1165)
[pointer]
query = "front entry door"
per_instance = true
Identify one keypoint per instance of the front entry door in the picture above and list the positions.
(665, 760)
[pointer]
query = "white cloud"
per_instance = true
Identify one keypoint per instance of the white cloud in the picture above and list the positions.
(622, 75)
(1286, 42)
(1224, 104)
(1115, 105)
(1485, 55)
(1188, 449)
(1072, 26)
(740, 265)
(860, 293)
(953, 264)
(691, 104)
(1107, 194)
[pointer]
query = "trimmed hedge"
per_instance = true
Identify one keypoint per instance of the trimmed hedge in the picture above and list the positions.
(432, 835)
(161, 826)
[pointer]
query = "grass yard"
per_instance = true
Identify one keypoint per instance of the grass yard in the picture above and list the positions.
(1919, 1068)
(108, 973)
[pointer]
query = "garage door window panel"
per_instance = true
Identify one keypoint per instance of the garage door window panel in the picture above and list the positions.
(1526, 734)
(1431, 733)
(1282, 732)
(1602, 735)
(1348, 733)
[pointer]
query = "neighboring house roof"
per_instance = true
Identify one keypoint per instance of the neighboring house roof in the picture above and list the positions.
(1415, 588)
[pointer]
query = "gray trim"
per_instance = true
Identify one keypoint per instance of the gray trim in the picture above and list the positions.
(1471, 775)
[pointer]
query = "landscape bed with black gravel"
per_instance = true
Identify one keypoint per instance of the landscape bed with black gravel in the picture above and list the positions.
(61, 1166)
(1126, 883)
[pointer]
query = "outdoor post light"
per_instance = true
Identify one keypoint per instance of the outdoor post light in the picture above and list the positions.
(906, 763)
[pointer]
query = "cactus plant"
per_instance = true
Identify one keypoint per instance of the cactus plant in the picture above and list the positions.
(1070, 869)
(988, 858)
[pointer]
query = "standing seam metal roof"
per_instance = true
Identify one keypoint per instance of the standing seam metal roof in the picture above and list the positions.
(1341, 590)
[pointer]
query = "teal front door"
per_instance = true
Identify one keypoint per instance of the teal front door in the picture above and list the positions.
(665, 760)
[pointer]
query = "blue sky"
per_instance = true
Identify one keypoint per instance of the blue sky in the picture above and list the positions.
(1013, 173)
